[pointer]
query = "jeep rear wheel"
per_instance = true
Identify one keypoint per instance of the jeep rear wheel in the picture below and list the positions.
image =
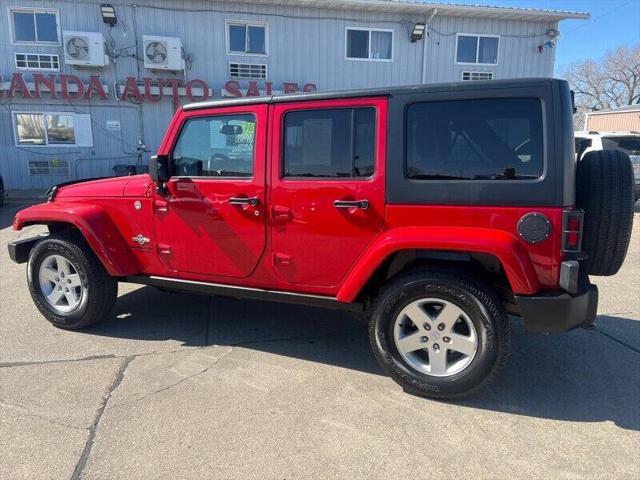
(439, 334)
(68, 284)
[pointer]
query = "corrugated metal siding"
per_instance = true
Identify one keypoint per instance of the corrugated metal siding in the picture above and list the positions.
(305, 45)
(614, 122)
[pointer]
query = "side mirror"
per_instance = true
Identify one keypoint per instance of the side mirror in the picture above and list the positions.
(159, 169)
(231, 130)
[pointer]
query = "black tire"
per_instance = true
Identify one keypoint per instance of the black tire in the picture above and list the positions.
(604, 190)
(99, 289)
(480, 304)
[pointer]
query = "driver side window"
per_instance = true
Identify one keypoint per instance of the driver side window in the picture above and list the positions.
(216, 146)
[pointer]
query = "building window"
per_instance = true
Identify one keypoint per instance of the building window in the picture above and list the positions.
(33, 61)
(246, 38)
(477, 76)
(484, 139)
(252, 71)
(32, 25)
(477, 49)
(337, 143)
(369, 44)
(54, 166)
(54, 129)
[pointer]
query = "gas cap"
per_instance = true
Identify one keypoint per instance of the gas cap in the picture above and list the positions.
(534, 227)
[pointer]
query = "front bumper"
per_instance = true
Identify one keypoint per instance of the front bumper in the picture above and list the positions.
(556, 313)
(19, 250)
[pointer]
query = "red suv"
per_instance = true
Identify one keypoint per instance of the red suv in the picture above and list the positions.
(434, 210)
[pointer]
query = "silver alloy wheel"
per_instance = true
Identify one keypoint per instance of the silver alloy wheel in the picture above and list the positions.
(60, 283)
(435, 336)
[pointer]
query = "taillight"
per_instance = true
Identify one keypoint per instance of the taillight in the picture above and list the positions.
(572, 230)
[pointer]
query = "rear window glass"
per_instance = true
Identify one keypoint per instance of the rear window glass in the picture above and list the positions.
(492, 139)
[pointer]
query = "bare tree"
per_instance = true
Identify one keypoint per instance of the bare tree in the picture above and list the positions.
(612, 81)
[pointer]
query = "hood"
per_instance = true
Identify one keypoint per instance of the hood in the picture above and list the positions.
(102, 187)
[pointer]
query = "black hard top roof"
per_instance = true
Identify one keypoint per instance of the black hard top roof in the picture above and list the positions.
(373, 92)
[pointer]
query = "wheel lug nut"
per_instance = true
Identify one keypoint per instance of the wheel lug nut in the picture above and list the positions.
(441, 326)
(446, 339)
(68, 280)
(424, 339)
(436, 346)
(427, 326)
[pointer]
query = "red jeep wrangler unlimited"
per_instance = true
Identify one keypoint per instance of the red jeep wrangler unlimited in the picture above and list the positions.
(437, 210)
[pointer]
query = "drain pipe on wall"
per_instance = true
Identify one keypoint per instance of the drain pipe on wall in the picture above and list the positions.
(424, 45)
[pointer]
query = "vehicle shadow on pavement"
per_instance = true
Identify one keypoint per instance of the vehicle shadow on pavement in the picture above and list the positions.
(584, 375)
(580, 376)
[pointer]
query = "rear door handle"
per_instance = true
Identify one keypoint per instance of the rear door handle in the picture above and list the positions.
(362, 204)
(253, 201)
(281, 213)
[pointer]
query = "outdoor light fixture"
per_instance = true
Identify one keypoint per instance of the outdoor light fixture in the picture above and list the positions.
(418, 32)
(108, 14)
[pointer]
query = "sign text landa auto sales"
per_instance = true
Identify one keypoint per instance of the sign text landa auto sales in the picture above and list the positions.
(71, 87)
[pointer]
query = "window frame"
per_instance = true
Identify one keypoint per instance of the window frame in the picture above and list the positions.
(247, 24)
(183, 124)
(40, 69)
(299, 178)
(14, 118)
(369, 30)
(33, 10)
(477, 35)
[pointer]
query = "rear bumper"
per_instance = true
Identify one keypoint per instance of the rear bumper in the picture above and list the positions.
(19, 250)
(556, 313)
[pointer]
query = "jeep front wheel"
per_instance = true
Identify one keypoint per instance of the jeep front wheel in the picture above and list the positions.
(68, 284)
(439, 334)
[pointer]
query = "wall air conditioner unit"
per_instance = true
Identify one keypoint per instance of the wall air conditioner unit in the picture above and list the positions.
(162, 53)
(84, 49)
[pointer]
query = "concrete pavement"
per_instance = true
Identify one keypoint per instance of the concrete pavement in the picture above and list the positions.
(182, 386)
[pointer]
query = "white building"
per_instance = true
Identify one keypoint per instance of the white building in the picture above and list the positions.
(80, 96)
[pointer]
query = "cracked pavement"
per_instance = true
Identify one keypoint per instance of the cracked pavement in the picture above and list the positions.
(184, 386)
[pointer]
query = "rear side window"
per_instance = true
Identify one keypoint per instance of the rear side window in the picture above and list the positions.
(329, 143)
(492, 139)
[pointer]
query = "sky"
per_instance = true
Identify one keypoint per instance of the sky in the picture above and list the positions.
(612, 23)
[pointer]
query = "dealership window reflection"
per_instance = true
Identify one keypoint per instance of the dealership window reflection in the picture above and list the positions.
(45, 129)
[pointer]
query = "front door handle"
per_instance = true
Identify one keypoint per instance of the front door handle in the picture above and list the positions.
(361, 204)
(253, 201)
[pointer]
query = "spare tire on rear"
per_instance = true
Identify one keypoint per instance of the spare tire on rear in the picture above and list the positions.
(604, 190)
